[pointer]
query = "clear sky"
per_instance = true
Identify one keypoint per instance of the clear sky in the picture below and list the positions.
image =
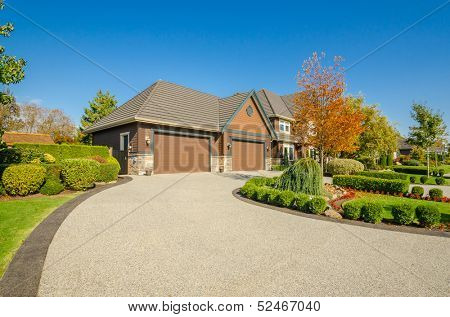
(227, 46)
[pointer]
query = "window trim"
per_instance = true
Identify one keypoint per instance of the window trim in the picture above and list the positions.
(289, 146)
(121, 144)
(285, 124)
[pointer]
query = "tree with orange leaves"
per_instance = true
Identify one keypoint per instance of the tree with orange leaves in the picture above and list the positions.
(324, 118)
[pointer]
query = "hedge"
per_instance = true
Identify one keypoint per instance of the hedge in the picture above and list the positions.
(65, 151)
(109, 171)
(23, 179)
(384, 175)
(371, 183)
(428, 216)
(80, 174)
(418, 170)
(344, 167)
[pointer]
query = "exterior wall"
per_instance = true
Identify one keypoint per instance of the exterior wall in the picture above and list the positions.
(111, 137)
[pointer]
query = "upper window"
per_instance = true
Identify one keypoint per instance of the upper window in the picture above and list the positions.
(124, 141)
(285, 126)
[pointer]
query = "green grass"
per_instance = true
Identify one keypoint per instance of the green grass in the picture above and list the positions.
(389, 201)
(18, 218)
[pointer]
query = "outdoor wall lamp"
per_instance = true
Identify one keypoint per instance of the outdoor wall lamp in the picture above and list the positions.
(228, 146)
(147, 140)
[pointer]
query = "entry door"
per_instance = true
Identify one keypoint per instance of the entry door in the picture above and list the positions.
(247, 156)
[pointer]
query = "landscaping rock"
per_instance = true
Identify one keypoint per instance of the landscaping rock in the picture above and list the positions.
(333, 214)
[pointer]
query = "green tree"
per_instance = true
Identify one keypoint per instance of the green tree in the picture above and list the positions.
(430, 129)
(379, 138)
(102, 105)
(11, 72)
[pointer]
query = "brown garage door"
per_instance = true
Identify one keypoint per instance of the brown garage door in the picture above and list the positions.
(180, 154)
(247, 156)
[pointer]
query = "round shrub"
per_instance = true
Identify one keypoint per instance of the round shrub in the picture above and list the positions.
(262, 193)
(248, 190)
(316, 205)
(412, 179)
(52, 187)
(428, 216)
(344, 167)
(441, 172)
(304, 176)
(423, 179)
(272, 198)
(286, 198)
(79, 174)
(23, 179)
(440, 180)
(411, 163)
(48, 158)
(435, 193)
(300, 201)
(352, 211)
(372, 212)
(30, 154)
(417, 190)
(108, 172)
(53, 171)
(403, 214)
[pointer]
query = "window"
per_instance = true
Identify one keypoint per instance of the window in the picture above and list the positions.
(289, 150)
(285, 126)
(124, 141)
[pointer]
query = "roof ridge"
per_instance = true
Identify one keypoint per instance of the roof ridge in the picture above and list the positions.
(152, 88)
(196, 90)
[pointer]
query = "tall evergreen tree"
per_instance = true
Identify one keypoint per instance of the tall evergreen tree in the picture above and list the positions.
(102, 105)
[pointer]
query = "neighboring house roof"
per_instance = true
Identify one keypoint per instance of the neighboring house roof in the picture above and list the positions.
(403, 145)
(11, 138)
(171, 104)
(276, 105)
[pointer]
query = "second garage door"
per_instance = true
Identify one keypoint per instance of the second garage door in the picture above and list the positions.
(247, 156)
(180, 154)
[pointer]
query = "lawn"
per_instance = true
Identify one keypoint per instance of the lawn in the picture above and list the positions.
(389, 201)
(18, 218)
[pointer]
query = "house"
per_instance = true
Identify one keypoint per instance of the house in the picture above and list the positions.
(404, 148)
(168, 128)
(10, 138)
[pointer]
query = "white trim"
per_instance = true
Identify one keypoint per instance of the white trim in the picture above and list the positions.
(122, 148)
(285, 124)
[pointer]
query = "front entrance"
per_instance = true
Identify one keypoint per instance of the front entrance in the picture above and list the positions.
(247, 155)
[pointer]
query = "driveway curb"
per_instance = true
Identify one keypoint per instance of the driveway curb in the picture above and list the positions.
(379, 226)
(24, 272)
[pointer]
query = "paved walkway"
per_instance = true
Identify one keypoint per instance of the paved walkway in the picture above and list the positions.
(186, 235)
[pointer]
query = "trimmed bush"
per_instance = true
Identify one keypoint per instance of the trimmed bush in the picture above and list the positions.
(412, 179)
(316, 205)
(257, 181)
(428, 216)
(248, 190)
(403, 214)
(48, 158)
(23, 179)
(64, 151)
(440, 180)
(9, 156)
(423, 179)
(441, 172)
(286, 198)
(435, 193)
(383, 160)
(417, 190)
(79, 174)
(372, 212)
(371, 183)
(390, 160)
(2, 190)
(53, 171)
(352, 210)
(52, 187)
(108, 172)
(262, 193)
(384, 175)
(304, 176)
(300, 201)
(98, 158)
(411, 163)
(31, 155)
(273, 197)
(344, 167)
(276, 167)
(418, 170)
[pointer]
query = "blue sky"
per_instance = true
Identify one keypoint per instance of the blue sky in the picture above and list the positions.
(230, 46)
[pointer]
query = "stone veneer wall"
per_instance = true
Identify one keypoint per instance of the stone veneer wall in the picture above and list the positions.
(140, 164)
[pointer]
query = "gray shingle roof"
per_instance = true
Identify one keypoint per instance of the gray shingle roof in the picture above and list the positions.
(276, 105)
(229, 105)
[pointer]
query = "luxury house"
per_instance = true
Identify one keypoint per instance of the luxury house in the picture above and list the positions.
(168, 128)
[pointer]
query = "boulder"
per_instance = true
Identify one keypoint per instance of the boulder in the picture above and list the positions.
(333, 214)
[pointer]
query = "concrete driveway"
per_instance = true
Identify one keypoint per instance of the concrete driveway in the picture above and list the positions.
(186, 235)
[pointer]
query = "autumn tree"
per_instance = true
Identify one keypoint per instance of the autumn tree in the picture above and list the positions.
(324, 118)
(429, 131)
(102, 105)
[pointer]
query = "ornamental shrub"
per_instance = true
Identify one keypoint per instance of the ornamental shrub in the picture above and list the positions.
(257, 181)
(52, 187)
(28, 155)
(441, 172)
(262, 193)
(352, 210)
(417, 190)
(109, 171)
(390, 159)
(435, 193)
(316, 205)
(53, 171)
(344, 167)
(403, 214)
(358, 182)
(304, 176)
(417, 170)
(277, 167)
(440, 180)
(79, 174)
(411, 163)
(412, 179)
(98, 158)
(286, 198)
(300, 201)
(384, 175)
(9, 156)
(64, 151)
(48, 158)
(2, 190)
(383, 160)
(428, 216)
(273, 197)
(372, 212)
(23, 179)
(248, 190)
(423, 179)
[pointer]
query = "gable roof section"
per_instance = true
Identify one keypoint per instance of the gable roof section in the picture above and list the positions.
(276, 105)
(228, 107)
(11, 138)
(166, 103)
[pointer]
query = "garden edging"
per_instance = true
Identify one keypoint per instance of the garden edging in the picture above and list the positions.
(23, 274)
(382, 226)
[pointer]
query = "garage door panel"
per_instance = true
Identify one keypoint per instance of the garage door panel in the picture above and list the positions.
(180, 154)
(247, 156)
